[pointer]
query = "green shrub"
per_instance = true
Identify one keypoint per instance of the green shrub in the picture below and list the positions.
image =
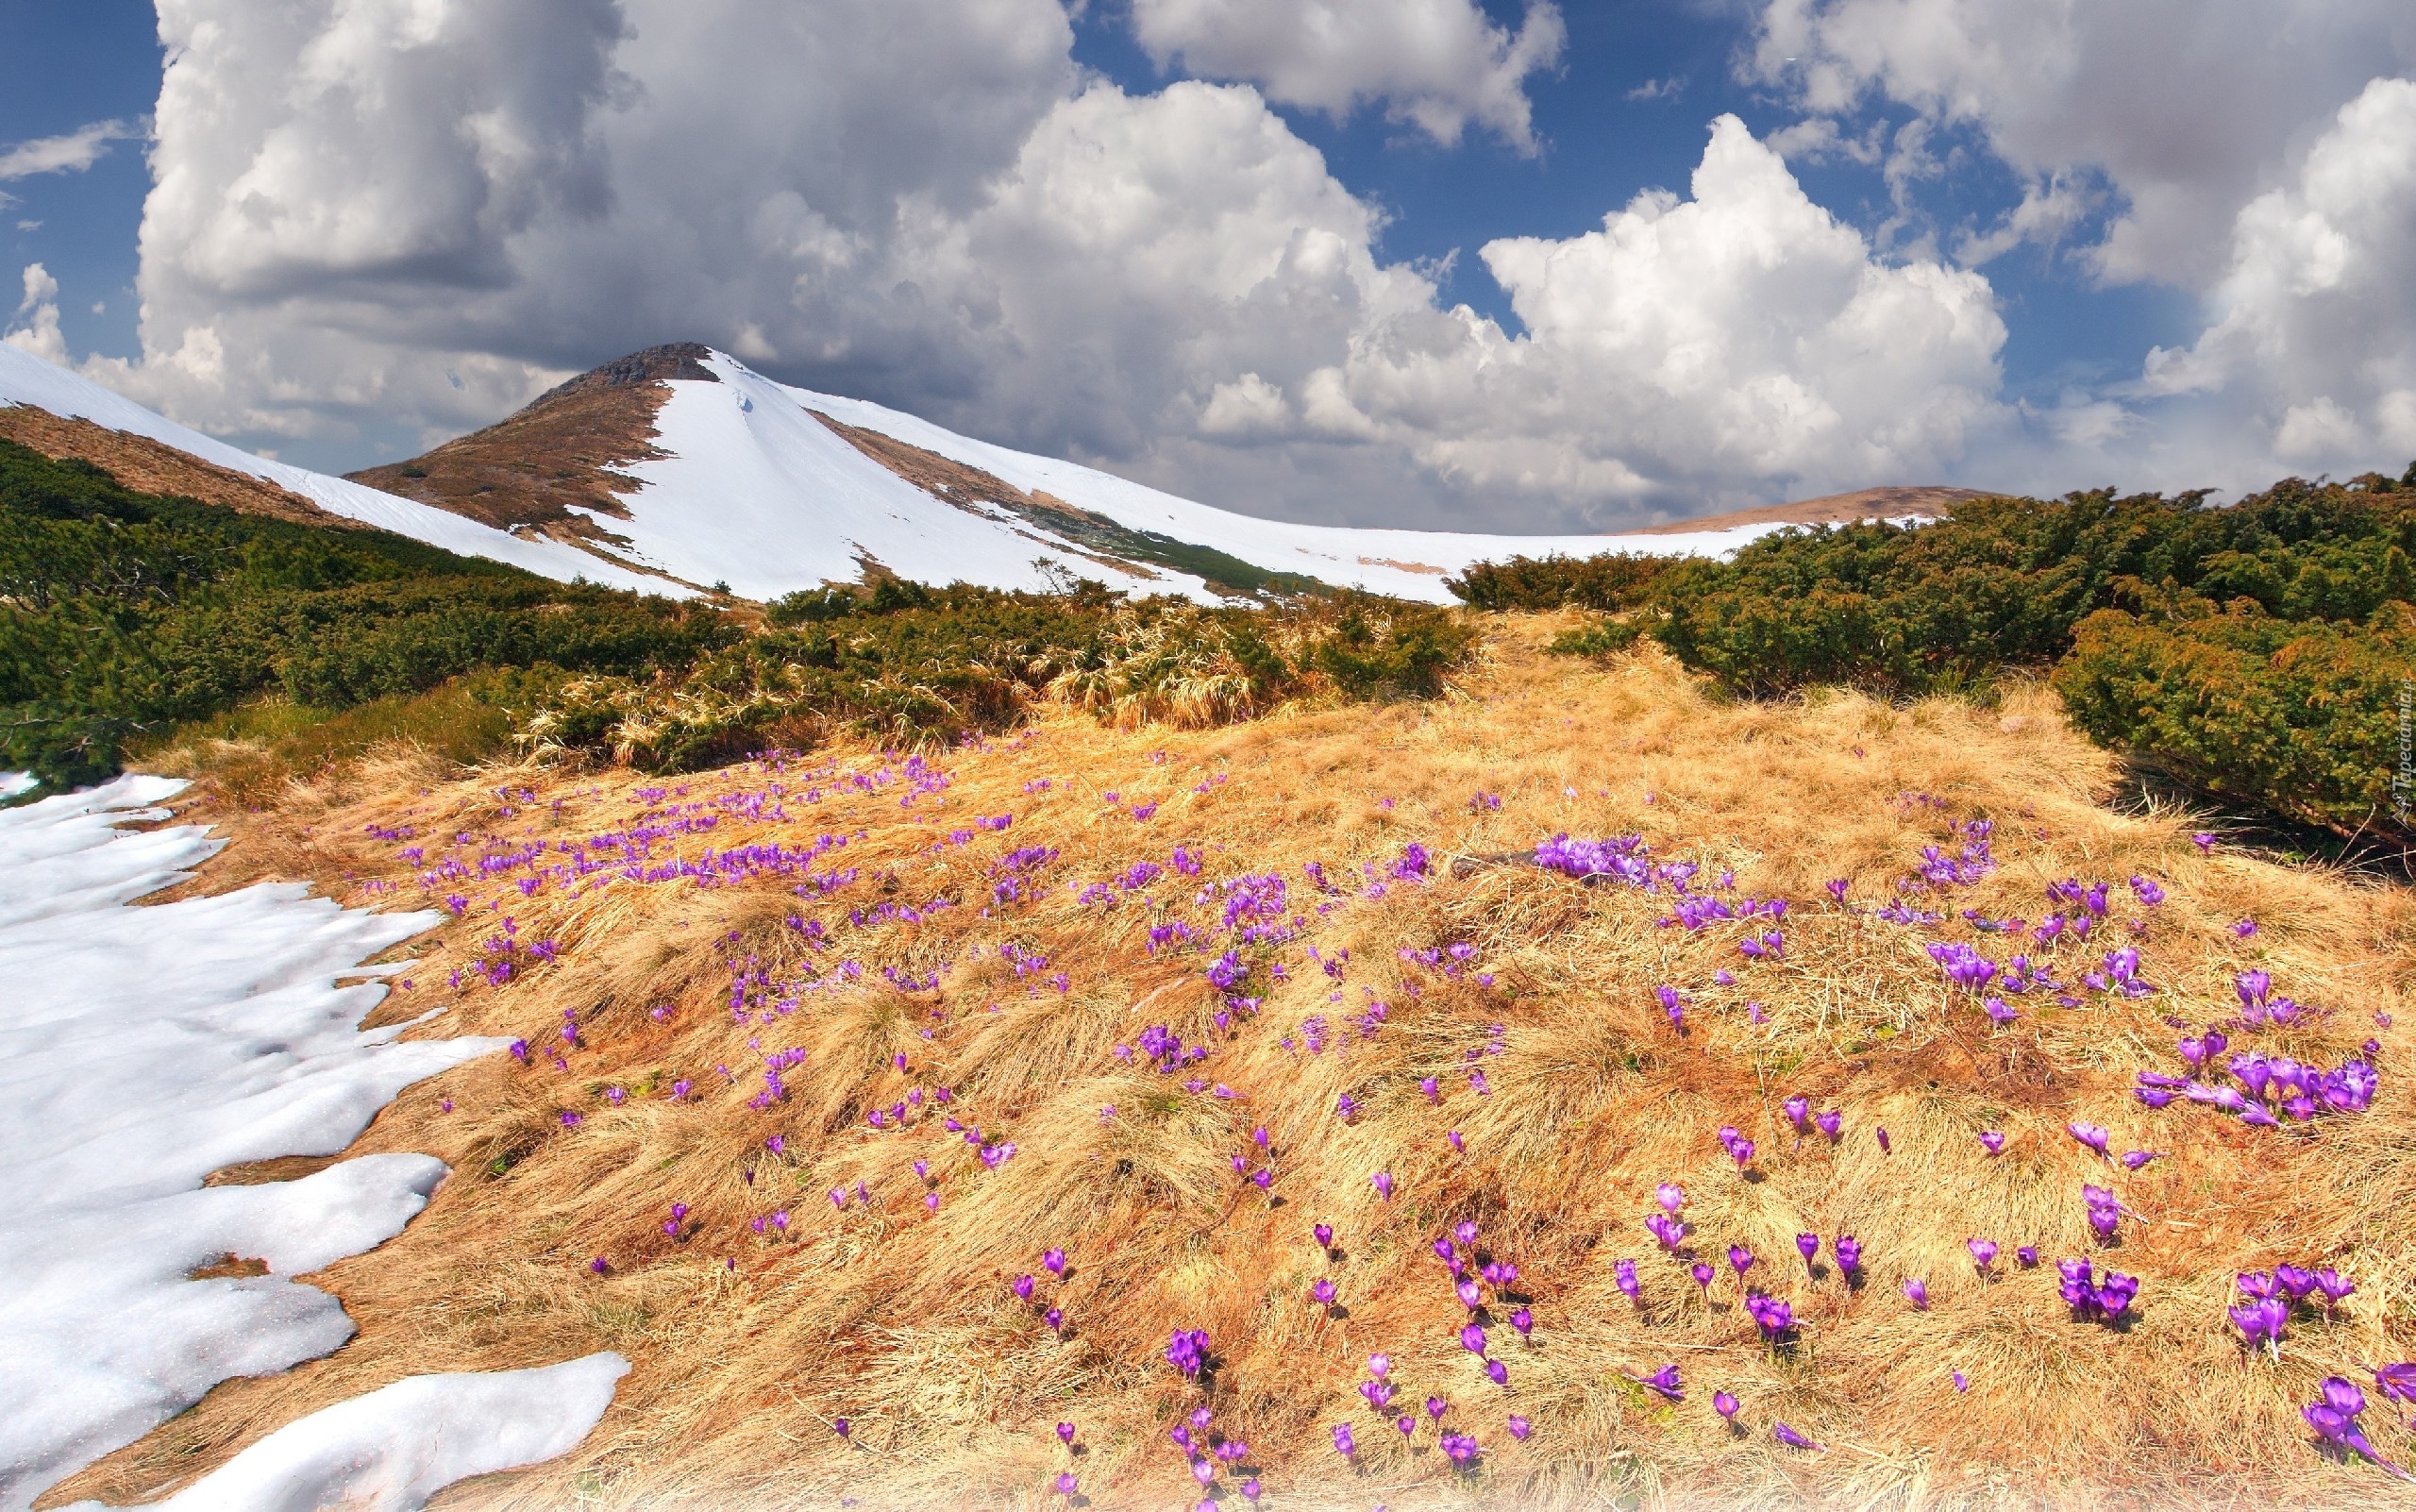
(1610, 582)
(2299, 717)
(914, 667)
(123, 614)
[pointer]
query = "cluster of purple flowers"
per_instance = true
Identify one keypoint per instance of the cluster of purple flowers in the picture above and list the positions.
(2094, 1301)
(2271, 1088)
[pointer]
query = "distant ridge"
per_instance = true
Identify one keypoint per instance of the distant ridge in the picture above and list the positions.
(1918, 503)
(679, 468)
(680, 461)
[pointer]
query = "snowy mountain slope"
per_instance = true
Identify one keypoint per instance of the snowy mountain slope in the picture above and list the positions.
(1405, 564)
(755, 492)
(27, 379)
(688, 468)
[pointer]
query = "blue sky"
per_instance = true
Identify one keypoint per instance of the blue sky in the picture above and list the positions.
(2132, 346)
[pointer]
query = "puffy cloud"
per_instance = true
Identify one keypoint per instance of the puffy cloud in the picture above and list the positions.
(1709, 345)
(2311, 339)
(414, 213)
(40, 333)
(2186, 108)
(1438, 63)
(70, 154)
(430, 208)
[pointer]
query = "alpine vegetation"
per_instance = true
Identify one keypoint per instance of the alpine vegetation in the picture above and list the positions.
(1533, 1080)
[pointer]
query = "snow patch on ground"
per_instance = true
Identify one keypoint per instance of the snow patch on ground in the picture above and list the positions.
(140, 1049)
(25, 379)
(392, 1450)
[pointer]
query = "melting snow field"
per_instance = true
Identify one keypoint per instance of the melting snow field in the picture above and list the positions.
(142, 1049)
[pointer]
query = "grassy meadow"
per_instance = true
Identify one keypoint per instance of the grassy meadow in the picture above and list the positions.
(818, 1058)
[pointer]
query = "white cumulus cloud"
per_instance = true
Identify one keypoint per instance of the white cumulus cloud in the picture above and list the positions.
(1438, 63)
(39, 311)
(415, 213)
(1744, 334)
(2188, 108)
(2312, 331)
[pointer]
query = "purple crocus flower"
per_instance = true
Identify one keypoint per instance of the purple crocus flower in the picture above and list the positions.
(1472, 1339)
(1993, 1141)
(1799, 1111)
(2088, 1133)
(1790, 1437)
(1623, 1276)
(2104, 1212)
(1379, 1366)
(1523, 1321)
(1702, 1274)
(1884, 1147)
(1808, 1245)
(1325, 1235)
(1983, 1252)
(1322, 1292)
(1383, 1184)
(1066, 1433)
(1054, 1262)
(2335, 1422)
(841, 1427)
(2138, 1159)
(1916, 1292)
(1344, 1444)
(1519, 1428)
(1848, 1252)
(2397, 1383)
(1740, 1257)
(1664, 1381)
(1829, 1123)
(1066, 1484)
(1670, 1196)
(1772, 1317)
(1023, 1287)
(1724, 1404)
(1187, 1351)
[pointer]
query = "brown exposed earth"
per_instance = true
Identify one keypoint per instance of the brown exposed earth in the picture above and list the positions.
(151, 467)
(1928, 503)
(560, 454)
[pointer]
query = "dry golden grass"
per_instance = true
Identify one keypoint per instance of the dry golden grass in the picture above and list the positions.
(746, 1347)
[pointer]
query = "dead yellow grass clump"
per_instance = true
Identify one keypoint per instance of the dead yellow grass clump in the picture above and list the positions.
(904, 974)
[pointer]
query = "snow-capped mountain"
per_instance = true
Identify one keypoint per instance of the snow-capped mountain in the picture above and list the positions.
(680, 468)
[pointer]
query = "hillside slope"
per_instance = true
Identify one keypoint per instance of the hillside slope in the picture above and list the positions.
(685, 460)
(889, 1113)
(27, 380)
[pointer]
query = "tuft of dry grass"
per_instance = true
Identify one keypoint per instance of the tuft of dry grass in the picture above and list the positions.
(901, 1317)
